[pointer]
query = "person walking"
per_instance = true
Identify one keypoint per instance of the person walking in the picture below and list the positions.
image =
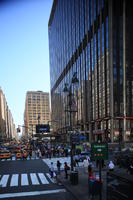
(111, 166)
(30, 153)
(66, 168)
(51, 170)
(58, 166)
(130, 168)
(40, 154)
(90, 171)
(85, 165)
(76, 158)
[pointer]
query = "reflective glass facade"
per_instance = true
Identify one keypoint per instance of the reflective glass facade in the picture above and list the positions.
(90, 37)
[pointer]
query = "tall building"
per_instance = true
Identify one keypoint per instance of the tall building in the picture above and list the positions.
(37, 111)
(7, 126)
(94, 39)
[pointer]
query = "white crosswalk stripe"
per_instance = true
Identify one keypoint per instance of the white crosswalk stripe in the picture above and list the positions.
(51, 179)
(4, 180)
(43, 178)
(34, 179)
(25, 180)
(14, 180)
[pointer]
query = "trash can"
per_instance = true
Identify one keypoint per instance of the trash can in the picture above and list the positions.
(74, 177)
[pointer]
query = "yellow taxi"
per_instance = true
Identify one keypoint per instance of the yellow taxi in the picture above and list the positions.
(17, 149)
(5, 154)
(19, 154)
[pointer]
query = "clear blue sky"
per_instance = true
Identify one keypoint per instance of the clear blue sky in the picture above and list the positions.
(24, 51)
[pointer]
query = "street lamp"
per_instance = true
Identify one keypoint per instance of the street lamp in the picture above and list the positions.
(68, 89)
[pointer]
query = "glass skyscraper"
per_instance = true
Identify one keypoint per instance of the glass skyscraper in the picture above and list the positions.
(94, 39)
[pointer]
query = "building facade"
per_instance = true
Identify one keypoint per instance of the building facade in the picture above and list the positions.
(37, 111)
(94, 39)
(7, 126)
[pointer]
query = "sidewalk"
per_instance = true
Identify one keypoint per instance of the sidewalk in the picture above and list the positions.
(81, 190)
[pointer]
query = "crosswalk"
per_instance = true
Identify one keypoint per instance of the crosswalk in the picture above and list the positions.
(17, 180)
(62, 160)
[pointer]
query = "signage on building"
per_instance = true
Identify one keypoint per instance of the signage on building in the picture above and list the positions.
(76, 138)
(99, 151)
(42, 128)
(98, 131)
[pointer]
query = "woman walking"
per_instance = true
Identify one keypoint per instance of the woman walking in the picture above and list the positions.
(66, 168)
(58, 166)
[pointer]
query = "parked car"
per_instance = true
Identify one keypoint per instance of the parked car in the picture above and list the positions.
(5, 154)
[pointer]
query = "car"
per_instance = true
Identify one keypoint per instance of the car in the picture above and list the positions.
(17, 149)
(5, 154)
(19, 154)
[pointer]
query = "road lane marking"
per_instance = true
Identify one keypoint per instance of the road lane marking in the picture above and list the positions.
(35, 193)
(51, 179)
(43, 178)
(34, 179)
(14, 180)
(4, 180)
(24, 179)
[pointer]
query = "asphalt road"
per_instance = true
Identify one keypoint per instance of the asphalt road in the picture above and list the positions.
(29, 179)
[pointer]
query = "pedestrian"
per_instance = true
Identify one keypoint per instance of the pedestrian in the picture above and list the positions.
(22, 154)
(85, 165)
(58, 166)
(76, 158)
(33, 154)
(40, 154)
(90, 171)
(130, 169)
(37, 152)
(51, 169)
(111, 166)
(66, 168)
(30, 153)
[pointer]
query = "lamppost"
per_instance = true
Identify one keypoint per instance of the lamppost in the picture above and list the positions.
(68, 89)
(120, 131)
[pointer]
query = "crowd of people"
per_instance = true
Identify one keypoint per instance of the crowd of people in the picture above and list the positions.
(48, 151)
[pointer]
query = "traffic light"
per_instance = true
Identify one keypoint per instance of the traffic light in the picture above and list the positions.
(18, 130)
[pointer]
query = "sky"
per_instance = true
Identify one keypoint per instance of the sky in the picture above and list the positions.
(24, 51)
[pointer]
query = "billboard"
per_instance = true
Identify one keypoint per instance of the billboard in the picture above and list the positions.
(42, 128)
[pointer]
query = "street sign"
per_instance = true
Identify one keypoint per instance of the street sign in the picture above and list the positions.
(99, 151)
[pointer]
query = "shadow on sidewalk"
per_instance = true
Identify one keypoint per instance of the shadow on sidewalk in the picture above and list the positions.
(80, 191)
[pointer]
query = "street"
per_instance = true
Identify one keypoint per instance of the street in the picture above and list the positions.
(30, 179)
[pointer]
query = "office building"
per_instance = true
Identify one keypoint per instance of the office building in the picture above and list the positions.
(94, 39)
(37, 111)
(7, 126)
